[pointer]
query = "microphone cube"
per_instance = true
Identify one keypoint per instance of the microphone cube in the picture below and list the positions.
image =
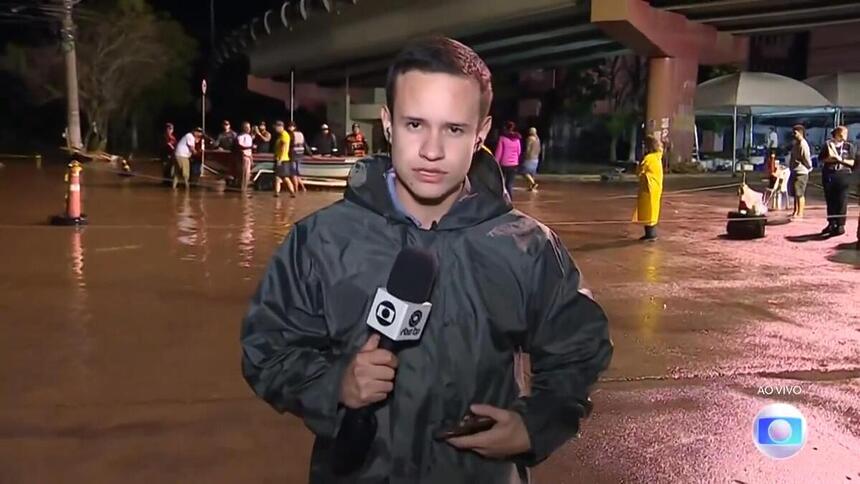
(396, 319)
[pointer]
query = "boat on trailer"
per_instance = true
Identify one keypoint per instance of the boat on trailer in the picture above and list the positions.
(322, 171)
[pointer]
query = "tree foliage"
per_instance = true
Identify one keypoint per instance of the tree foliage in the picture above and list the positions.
(707, 73)
(623, 79)
(579, 90)
(130, 58)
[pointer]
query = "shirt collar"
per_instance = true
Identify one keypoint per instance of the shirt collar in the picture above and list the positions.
(390, 180)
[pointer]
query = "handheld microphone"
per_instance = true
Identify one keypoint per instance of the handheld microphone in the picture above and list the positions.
(398, 313)
(400, 310)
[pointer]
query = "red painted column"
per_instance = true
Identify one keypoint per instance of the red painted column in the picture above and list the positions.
(669, 112)
(674, 46)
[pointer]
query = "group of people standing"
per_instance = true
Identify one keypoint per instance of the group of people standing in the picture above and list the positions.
(287, 145)
(514, 158)
(517, 157)
(838, 158)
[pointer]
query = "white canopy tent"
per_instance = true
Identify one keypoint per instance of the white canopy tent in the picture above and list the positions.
(842, 90)
(757, 94)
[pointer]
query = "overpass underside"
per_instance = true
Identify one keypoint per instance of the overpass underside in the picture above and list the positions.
(360, 41)
(344, 41)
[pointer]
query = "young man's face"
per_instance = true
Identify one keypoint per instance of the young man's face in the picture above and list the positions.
(435, 127)
(246, 128)
(797, 135)
(226, 127)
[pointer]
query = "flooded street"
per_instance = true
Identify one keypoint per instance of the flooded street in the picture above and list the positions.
(119, 360)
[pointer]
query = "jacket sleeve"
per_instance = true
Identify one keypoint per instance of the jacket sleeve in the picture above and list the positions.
(568, 343)
(825, 152)
(500, 150)
(288, 358)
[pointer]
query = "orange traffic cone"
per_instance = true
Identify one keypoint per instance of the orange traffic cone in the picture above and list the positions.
(73, 215)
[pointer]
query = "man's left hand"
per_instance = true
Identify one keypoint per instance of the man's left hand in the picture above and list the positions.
(508, 437)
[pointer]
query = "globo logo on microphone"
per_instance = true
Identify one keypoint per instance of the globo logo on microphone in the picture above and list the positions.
(385, 313)
(416, 318)
(396, 319)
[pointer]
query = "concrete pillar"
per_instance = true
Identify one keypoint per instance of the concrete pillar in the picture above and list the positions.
(343, 110)
(669, 112)
(336, 116)
(675, 46)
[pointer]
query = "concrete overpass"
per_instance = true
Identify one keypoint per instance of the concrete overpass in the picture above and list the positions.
(350, 42)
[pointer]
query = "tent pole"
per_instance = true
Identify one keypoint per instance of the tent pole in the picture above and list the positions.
(292, 93)
(751, 144)
(734, 140)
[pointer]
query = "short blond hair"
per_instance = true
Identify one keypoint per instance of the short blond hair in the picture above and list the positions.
(653, 144)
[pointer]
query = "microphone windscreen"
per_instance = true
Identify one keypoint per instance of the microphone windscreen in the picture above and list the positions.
(413, 275)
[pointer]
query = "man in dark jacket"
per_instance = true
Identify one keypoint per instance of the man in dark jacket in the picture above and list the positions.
(837, 156)
(227, 139)
(325, 143)
(506, 283)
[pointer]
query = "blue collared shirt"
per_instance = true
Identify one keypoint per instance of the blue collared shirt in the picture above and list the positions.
(390, 179)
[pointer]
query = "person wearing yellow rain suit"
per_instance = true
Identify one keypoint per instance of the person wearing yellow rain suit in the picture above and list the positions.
(650, 173)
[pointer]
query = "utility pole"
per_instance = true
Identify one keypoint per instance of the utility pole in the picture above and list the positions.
(73, 107)
(212, 27)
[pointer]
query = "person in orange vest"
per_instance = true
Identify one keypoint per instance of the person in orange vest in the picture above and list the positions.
(772, 166)
(356, 144)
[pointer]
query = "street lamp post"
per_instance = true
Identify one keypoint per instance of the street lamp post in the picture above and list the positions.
(203, 126)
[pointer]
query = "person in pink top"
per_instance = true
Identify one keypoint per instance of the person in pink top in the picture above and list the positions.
(508, 152)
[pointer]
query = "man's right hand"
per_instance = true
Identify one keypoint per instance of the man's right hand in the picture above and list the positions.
(369, 378)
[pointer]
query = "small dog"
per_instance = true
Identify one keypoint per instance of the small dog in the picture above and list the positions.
(750, 201)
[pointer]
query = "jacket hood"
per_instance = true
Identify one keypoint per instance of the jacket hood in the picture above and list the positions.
(513, 135)
(367, 187)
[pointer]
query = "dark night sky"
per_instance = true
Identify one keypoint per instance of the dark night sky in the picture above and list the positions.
(229, 14)
(228, 92)
(30, 24)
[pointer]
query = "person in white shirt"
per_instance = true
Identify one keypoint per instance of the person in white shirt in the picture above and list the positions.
(298, 149)
(773, 142)
(184, 150)
(246, 145)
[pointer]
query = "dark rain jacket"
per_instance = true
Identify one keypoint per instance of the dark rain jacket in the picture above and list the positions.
(505, 283)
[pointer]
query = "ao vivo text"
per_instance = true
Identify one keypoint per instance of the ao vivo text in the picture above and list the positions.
(779, 390)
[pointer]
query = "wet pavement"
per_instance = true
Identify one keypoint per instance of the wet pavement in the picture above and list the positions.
(119, 360)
